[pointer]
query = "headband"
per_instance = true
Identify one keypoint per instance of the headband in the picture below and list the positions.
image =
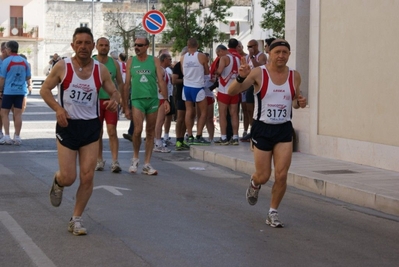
(279, 43)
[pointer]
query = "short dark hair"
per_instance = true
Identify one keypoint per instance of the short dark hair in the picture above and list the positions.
(221, 47)
(163, 57)
(13, 46)
(192, 43)
(269, 40)
(82, 30)
(122, 56)
(147, 41)
(233, 43)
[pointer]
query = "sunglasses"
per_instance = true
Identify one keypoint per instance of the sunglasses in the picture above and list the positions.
(139, 45)
(250, 46)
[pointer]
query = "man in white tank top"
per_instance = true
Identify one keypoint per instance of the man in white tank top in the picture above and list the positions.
(227, 72)
(255, 58)
(166, 61)
(276, 90)
(196, 73)
(78, 126)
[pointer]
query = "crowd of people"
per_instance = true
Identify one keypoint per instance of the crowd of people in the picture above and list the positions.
(94, 89)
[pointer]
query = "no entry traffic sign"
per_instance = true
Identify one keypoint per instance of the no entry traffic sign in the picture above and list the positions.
(154, 22)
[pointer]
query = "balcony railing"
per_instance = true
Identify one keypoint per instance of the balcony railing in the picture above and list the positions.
(19, 32)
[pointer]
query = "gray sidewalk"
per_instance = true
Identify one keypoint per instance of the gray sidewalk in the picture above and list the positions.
(353, 183)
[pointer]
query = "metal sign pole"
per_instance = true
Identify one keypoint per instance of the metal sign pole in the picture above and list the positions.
(153, 45)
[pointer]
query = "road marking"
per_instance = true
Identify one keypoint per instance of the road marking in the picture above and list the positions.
(26, 243)
(112, 189)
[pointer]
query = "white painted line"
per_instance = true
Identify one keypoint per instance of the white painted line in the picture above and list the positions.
(26, 243)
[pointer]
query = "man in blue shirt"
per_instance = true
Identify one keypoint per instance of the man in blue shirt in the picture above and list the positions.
(2, 57)
(14, 74)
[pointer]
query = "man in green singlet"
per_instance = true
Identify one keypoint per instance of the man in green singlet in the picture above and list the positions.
(111, 118)
(143, 72)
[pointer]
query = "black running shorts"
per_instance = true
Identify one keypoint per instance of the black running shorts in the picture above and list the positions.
(266, 136)
(78, 133)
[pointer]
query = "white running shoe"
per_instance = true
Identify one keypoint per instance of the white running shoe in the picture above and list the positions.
(134, 166)
(273, 220)
(161, 149)
(149, 170)
(6, 140)
(100, 165)
(115, 167)
(17, 140)
(76, 227)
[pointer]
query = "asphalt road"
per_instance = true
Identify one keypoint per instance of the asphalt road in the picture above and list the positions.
(191, 214)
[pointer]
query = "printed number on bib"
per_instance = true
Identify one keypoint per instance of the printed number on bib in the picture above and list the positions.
(276, 113)
(80, 97)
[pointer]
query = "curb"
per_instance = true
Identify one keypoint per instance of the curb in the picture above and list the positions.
(339, 191)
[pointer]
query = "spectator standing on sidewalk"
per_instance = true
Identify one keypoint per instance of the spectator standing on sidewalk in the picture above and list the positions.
(196, 74)
(227, 72)
(255, 58)
(110, 118)
(143, 71)
(210, 110)
(276, 90)
(15, 74)
(78, 126)
(243, 100)
(177, 80)
(52, 62)
(165, 60)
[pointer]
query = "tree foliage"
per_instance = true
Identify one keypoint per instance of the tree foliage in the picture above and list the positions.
(274, 17)
(122, 28)
(185, 20)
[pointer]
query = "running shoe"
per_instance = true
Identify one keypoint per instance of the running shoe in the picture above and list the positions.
(252, 194)
(100, 165)
(134, 166)
(17, 140)
(273, 221)
(127, 137)
(6, 140)
(190, 140)
(234, 142)
(149, 170)
(246, 138)
(56, 194)
(182, 146)
(115, 167)
(161, 149)
(168, 142)
(76, 227)
(201, 142)
(222, 142)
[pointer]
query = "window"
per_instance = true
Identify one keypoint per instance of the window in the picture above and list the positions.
(16, 20)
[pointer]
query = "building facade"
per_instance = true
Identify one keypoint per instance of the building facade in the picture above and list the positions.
(346, 53)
